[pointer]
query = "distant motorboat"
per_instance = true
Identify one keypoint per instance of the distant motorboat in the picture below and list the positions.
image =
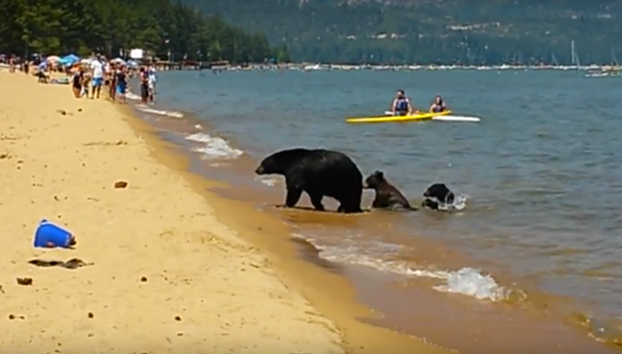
(604, 73)
(596, 74)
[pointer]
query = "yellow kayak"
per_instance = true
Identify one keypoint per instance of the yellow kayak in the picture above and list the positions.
(408, 118)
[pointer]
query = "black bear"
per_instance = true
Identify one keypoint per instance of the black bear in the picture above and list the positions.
(319, 173)
(437, 194)
(387, 196)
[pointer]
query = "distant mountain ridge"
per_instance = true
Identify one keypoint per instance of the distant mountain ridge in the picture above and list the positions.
(431, 31)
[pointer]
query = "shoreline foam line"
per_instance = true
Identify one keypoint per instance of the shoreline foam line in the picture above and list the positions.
(273, 238)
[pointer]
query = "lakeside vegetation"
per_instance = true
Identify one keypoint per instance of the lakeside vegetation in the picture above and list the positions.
(113, 27)
(472, 32)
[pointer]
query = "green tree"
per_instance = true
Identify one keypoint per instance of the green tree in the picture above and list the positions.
(113, 27)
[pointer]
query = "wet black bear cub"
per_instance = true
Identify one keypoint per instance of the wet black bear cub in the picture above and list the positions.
(319, 173)
(436, 194)
(387, 196)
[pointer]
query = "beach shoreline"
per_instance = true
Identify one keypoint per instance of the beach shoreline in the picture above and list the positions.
(408, 304)
(164, 242)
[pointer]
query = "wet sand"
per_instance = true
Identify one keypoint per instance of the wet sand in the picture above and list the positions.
(175, 268)
(528, 321)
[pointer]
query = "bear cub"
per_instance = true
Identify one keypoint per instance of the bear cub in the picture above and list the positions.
(436, 195)
(387, 196)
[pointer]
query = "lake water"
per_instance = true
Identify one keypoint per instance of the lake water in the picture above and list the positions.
(541, 173)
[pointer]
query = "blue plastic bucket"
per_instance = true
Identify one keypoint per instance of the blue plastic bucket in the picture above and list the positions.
(50, 235)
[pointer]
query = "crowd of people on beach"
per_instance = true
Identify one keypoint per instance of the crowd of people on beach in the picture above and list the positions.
(87, 76)
(88, 80)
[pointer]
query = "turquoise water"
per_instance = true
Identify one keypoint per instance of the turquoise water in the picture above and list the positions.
(542, 170)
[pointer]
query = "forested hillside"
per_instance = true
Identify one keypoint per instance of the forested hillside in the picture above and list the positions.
(113, 26)
(431, 31)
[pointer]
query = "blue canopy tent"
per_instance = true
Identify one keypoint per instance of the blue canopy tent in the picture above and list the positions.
(68, 60)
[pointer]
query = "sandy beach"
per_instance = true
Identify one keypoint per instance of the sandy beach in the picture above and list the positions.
(172, 269)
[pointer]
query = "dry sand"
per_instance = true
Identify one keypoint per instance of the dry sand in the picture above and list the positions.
(205, 289)
(168, 275)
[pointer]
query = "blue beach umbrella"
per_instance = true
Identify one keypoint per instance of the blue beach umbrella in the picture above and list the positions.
(71, 58)
(68, 60)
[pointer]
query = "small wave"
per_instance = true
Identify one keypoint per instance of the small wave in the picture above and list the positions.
(215, 147)
(132, 96)
(159, 112)
(603, 329)
(469, 281)
(466, 281)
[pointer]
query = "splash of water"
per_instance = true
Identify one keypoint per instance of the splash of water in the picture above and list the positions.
(459, 203)
(466, 281)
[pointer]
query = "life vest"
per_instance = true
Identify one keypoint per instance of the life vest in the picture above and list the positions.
(438, 108)
(401, 105)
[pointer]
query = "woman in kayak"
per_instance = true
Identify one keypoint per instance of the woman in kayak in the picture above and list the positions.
(401, 104)
(438, 105)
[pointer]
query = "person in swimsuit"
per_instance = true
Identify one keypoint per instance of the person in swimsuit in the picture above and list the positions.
(144, 85)
(121, 83)
(112, 85)
(76, 83)
(438, 105)
(152, 82)
(86, 83)
(401, 104)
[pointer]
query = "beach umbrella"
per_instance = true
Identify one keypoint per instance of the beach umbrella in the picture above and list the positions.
(68, 60)
(118, 60)
(72, 58)
(64, 62)
(52, 59)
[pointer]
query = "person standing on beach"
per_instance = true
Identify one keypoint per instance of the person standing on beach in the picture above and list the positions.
(12, 64)
(76, 84)
(112, 84)
(97, 69)
(144, 85)
(152, 82)
(121, 83)
(86, 83)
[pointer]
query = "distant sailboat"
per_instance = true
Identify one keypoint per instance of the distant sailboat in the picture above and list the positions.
(554, 60)
(573, 56)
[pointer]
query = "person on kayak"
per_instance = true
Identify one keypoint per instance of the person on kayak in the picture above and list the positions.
(438, 105)
(401, 104)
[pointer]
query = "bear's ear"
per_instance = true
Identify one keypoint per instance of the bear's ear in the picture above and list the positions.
(379, 173)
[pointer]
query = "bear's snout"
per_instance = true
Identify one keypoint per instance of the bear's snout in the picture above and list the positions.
(259, 170)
